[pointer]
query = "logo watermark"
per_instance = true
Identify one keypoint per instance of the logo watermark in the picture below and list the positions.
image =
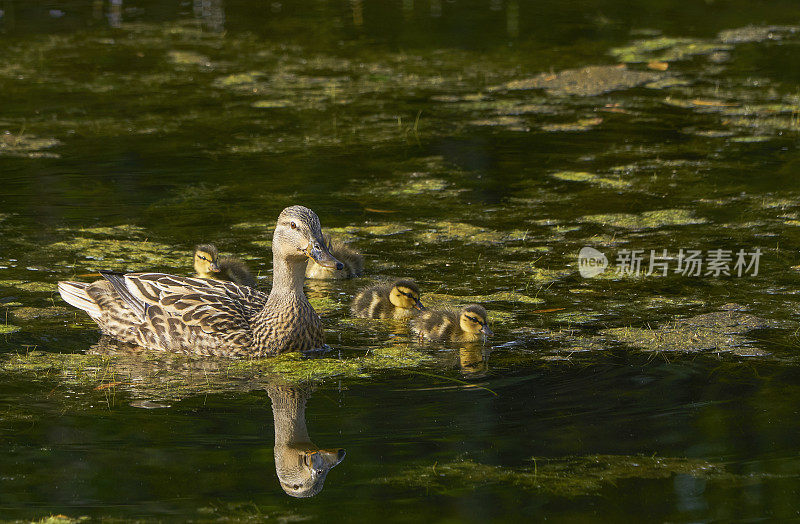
(686, 262)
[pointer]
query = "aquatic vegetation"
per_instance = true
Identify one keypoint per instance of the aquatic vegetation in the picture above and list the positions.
(646, 220)
(719, 331)
(499, 296)
(26, 314)
(754, 33)
(114, 253)
(583, 124)
(666, 49)
(6, 329)
(591, 178)
(566, 477)
(586, 81)
(30, 286)
(29, 146)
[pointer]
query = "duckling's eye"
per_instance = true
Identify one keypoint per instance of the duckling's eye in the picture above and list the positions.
(293, 225)
(201, 257)
(475, 320)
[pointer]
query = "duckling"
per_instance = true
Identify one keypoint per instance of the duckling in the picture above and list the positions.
(468, 325)
(352, 260)
(398, 300)
(208, 264)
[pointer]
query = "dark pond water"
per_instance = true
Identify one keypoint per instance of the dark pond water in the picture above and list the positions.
(476, 147)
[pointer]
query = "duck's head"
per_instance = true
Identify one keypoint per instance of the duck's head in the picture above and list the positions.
(474, 319)
(298, 236)
(405, 295)
(206, 258)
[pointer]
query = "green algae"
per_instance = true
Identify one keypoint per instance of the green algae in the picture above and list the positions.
(26, 314)
(591, 178)
(61, 519)
(719, 331)
(184, 58)
(646, 220)
(30, 286)
(25, 145)
(272, 104)
(584, 124)
(566, 477)
(114, 253)
(499, 296)
(754, 33)
(160, 375)
(585, 81)
(666, 49)
(7, 329)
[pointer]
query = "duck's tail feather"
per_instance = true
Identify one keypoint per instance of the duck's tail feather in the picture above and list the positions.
(74, 294)
(117, 281)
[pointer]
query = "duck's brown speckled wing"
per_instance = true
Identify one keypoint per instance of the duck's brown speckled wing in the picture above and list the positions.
(195, 315)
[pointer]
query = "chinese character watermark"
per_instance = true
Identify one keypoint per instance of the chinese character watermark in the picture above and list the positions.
(687, 262)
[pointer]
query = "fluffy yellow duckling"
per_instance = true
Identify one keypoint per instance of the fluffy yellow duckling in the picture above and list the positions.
(468, 325)
(352, 260)
(208, 264)
(398, 300)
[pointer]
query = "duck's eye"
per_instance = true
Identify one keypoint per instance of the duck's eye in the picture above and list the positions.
(293, 225)
(296, 486)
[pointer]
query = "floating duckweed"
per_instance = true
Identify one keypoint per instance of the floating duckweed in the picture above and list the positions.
(6, 329)
(188, 58)
(123, 231)
(719, 331)
(568, 477)
(33, 313)
(238, 80)
(272, 104)
(646, 220)
(113, 253)
(586, 81)
(666, 49)
(29, 286)
(381, 230)
(61, 519)
(591, 178)
(583, 124)
(500, 296)
(324, 305)
(752, 33)
(29, 146)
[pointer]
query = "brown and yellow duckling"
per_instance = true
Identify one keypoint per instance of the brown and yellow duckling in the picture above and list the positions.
(398, 300)
(468, 325)
(352, 260)
(208, 264)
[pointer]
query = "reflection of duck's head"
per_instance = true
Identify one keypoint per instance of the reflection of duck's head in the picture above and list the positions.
(302, 472)
(301, 466)
(206, 261)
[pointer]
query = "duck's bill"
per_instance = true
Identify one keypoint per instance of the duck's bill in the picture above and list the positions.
(214, 268)
(323, 257)
(486, 330)
(418, 305)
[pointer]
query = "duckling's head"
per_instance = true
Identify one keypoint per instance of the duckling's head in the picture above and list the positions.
(405, 295)
(206, 259)
(298, 235)
(474, 319)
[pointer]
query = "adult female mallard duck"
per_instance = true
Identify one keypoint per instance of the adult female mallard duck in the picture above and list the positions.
(352, 260)
(208, 264)
(209, 317)
(468, 325)
(398, 300)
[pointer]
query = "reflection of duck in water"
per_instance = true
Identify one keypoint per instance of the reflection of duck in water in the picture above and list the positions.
(301, 466)
(472, 361)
